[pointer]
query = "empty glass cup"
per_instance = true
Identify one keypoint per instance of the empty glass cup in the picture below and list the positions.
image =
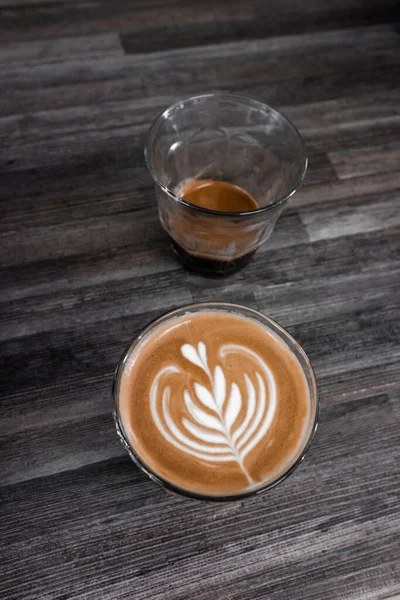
(224, 138)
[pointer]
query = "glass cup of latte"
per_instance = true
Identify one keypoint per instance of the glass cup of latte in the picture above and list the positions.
(215, 401)
(223, 166)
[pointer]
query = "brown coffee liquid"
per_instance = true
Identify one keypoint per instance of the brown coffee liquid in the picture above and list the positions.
(214, 403)
(217, 195)
(209, 267)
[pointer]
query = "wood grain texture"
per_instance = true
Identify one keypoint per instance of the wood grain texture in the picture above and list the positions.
(85, 265)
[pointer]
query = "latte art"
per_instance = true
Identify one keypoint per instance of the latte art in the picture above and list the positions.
(214, 403)
(213, 429)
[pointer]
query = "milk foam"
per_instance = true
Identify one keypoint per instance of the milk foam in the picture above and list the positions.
(212, 430)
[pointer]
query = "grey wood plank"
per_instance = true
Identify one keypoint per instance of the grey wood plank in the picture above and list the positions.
(55, 404)
(364, 161)
(328, 116)
(354, 384)
(339, 190)
(68, 309)
(74, 238)
(324, 295)
(275, 92)
(117, 188)
(180, 19)
(205, 31)
(24, 3)
(73, 272)
(56, 151)
(362, 134)
(56, 49)
(329, 353)
(351, 218)
(319, 168)
(367, 252)
(49, 450)
(71, 121)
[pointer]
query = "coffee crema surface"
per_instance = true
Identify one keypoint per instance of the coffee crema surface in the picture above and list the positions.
(214, 403)
(217, 195)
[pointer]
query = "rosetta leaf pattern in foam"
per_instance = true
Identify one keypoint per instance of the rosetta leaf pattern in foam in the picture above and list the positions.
(212, 430)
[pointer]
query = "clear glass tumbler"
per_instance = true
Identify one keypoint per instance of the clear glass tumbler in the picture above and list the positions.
(266, 322)
(225, 138)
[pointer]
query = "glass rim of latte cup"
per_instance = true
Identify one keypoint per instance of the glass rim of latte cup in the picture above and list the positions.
(245, 102)
(295, 349)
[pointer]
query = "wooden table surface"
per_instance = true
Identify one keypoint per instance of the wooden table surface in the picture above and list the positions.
(85, 265)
